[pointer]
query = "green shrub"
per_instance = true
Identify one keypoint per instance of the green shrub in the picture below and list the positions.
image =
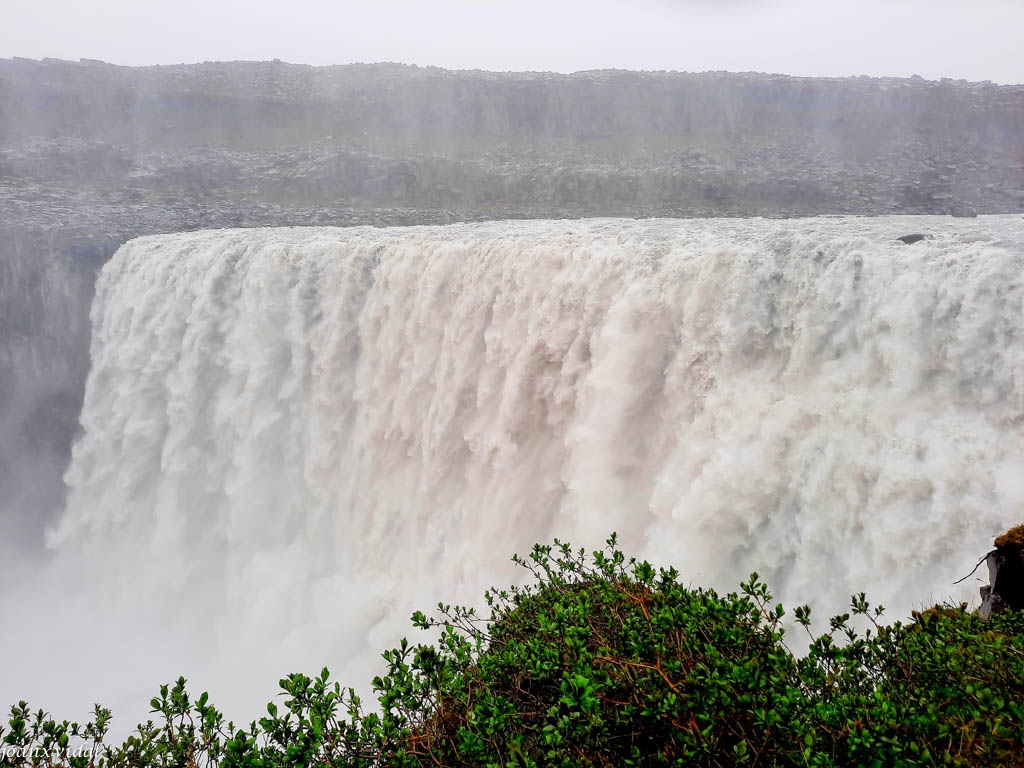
(607, 661)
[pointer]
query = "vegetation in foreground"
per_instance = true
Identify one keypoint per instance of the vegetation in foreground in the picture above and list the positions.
(606, 661)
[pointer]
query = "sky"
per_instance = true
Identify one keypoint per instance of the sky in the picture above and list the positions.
(971, 39)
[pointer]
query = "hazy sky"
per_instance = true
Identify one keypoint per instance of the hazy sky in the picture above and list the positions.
(973, 39)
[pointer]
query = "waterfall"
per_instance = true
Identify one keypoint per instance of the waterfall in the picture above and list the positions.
(292, 438)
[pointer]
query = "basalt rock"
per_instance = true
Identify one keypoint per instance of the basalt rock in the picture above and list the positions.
(1005, 590)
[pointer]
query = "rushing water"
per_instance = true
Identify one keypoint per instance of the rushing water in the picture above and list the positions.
(293, 437)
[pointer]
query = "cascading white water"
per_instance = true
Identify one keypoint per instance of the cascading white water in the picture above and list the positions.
(294, 437)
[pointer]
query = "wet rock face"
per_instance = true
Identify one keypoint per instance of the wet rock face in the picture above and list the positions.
(213, 141)
(1005, 590)
(46, 289)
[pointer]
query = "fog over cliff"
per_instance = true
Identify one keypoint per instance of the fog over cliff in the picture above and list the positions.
(92, 155)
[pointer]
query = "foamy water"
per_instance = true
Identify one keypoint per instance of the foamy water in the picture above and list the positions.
(292, 438)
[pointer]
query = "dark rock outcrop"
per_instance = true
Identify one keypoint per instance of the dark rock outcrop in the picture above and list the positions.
(1005, 590)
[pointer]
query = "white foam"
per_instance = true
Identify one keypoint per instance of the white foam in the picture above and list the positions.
(294, 437)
